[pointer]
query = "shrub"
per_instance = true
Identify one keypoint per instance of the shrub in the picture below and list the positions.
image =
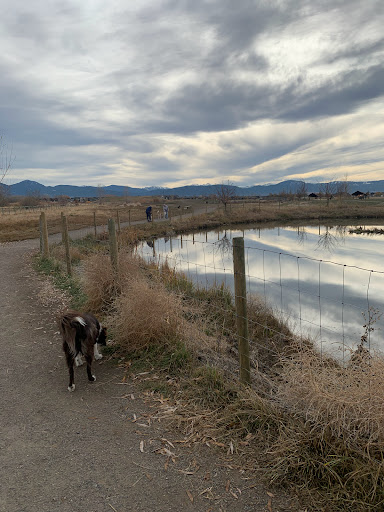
(145, 314)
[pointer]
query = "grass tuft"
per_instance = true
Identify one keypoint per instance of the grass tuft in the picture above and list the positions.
(71, 285)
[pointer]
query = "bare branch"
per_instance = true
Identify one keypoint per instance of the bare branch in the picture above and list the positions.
(6, 159)
(225, 193)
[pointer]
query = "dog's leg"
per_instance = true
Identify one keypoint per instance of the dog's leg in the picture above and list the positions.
(70, 361)
(89, 359)
(96, 354)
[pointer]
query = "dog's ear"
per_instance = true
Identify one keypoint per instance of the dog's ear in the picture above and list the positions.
(102, 339)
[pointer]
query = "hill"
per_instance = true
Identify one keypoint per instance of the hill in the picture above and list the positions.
(27, 187)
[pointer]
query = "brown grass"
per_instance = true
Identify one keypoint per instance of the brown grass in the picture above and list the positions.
(138, 306)
(320, 427)
(331, 435)
(146, 314)
(102, 285)
(23, 225)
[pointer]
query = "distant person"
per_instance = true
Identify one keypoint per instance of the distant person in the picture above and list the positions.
(148, 211)
(165, 210)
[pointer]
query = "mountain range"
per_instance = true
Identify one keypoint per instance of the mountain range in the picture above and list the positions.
(26, 187)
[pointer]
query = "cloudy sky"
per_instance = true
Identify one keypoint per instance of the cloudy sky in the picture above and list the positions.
(175, 92)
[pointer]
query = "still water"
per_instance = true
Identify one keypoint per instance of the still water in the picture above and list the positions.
(325, 281)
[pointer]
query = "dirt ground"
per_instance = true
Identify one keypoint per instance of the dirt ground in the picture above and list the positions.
(96, 449)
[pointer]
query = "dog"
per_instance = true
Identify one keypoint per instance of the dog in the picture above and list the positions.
(81, 333)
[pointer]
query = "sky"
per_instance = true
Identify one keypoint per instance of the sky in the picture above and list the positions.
(171, 93)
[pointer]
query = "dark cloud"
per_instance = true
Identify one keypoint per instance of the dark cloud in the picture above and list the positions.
(355, 52)
(139, 79)
(230, 105)
(337, 97)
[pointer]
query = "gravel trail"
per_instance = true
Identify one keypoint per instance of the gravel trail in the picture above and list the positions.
(82, 451)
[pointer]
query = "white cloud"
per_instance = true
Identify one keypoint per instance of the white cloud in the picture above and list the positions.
(166, 93)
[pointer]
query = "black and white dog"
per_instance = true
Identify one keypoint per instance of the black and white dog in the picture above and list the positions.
(81, 333)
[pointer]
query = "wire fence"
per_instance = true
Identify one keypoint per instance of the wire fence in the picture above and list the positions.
(322, 418)
(337, 306)
(8, 210)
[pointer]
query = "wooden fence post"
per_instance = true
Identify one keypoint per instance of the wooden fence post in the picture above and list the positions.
(113, 244)
(94, 223)
(44, 229)
(41, 234)
(241, 309)
(65, 240)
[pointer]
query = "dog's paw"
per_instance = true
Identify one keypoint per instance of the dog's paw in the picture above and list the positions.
(98, 356)
(71, 388)
(93, 378)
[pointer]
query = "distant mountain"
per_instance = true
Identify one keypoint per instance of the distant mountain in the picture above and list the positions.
(27, 187)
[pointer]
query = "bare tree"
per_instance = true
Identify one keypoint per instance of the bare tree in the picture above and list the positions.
(225, 193)
(32, 198)
(4, 195)
(342, 187)
(328, 190)
(100, 192)
(302, 190)
(6, 159)
(126, 194)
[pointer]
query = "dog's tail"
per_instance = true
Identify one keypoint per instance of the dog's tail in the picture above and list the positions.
(72, 330)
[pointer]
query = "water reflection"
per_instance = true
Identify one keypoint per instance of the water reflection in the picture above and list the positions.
(323, 279)
(223, 244)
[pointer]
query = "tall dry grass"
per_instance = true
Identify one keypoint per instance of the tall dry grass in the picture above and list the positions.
(25, 224)
(331, 435)
(320, 426)
(146, 314)
(101, 283)
(140, 310)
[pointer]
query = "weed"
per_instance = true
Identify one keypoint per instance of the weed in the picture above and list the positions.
(62, 281)
(170, 359)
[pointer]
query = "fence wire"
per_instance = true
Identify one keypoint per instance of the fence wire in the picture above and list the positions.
(336, 305)
(330, 302)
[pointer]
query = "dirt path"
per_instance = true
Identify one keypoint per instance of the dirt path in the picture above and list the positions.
(81, 451)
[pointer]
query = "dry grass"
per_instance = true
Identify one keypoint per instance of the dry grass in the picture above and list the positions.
(102, 285)
(99, 283)
(146, 314)
(320, 429)
(139, 308)
(58, 252)
(318, 426)
(25, 224)
(331, 436)
(348, 402)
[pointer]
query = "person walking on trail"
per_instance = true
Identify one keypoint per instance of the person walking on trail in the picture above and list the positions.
(148, 211)
(165, 210)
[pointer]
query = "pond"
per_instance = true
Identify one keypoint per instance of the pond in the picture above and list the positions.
(325, 281)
